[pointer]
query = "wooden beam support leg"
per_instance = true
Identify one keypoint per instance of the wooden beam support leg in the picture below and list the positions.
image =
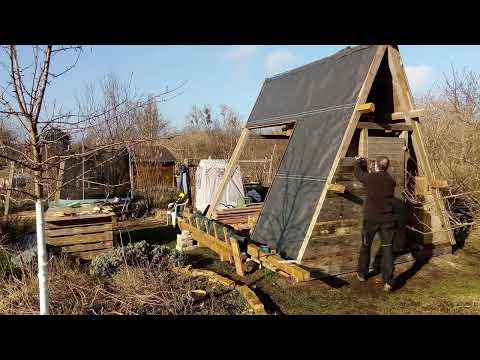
(236, 256)
(229, 171)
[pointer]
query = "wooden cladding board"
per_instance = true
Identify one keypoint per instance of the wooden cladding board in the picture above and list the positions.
(81, 236)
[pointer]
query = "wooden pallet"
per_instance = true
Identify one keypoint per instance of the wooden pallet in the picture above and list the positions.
(83, 235)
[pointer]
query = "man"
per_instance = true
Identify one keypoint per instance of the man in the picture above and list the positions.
(378, 216)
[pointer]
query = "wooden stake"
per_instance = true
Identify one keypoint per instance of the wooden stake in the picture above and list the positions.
(59, 182)
(229, 171)
(9, 188)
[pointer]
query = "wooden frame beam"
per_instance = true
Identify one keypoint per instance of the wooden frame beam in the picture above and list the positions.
(405, 102)
(347, 137)
(336, 188)
(229, 171)
(365, 108)
(379, 126)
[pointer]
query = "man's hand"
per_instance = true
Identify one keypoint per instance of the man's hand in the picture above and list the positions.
(360, 158)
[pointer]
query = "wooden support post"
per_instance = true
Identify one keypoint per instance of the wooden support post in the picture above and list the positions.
(365, 108)
(59, 182)
(405, 102)
(236, 256)
(215, 230)
(229, 171)
(205, 223)
(9, 188)
(225, 236)
(363, 144)
(196, 223)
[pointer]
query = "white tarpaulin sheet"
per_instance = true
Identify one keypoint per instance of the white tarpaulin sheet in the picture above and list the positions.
(208, 176)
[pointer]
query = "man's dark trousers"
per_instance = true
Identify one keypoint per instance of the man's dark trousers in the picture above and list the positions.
(387, 234)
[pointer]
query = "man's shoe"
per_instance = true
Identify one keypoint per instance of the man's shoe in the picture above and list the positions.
(361, 278)
(387, 287)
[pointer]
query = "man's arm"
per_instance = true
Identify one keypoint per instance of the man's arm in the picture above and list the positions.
(360, 174)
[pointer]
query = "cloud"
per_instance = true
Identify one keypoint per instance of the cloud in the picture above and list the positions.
(239, 53)
(419, 76)
(279, 61)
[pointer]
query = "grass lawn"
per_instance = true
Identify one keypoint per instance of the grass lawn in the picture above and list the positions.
(448, 284)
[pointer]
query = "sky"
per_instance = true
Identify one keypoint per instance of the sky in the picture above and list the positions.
(230, 75)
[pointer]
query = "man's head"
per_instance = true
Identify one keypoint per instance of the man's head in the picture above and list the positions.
(381, 163)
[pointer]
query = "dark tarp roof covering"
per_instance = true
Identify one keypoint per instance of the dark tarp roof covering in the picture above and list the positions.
(315, 87)
(321, 97)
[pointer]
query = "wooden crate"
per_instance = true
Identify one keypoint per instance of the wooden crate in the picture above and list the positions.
(81, 234)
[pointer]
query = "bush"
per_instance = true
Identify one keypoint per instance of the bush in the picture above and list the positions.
(136, 254)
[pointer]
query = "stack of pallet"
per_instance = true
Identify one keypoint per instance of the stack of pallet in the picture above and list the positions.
(238, 215)
(84, 232)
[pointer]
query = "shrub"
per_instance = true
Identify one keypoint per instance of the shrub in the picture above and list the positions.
(136, 254)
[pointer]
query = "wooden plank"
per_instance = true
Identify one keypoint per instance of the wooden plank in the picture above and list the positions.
(400, 115)
(87, 247)
(365, 108)
(229, 171)
(252, 299)
(347, 137)
(52, 217)
(82, 230)
(9, 189)
(73, 223)
(59, 181)
(439, 184)
(336, 188)
(80, 239)
(236, 256)
(380, 126)
(406, 103)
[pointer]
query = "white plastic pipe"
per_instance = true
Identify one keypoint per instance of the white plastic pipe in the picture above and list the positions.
(42, 259)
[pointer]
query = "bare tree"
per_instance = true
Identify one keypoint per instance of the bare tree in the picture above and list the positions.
(452, 125)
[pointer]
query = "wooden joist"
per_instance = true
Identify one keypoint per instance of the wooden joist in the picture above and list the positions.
(336, 188)
(276, 263)
(400, 115)
(365, 108)
(379, 126)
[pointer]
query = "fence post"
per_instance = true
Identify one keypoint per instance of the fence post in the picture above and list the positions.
(42, 258)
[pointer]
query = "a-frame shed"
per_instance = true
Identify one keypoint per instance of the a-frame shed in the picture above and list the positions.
(356, 101)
